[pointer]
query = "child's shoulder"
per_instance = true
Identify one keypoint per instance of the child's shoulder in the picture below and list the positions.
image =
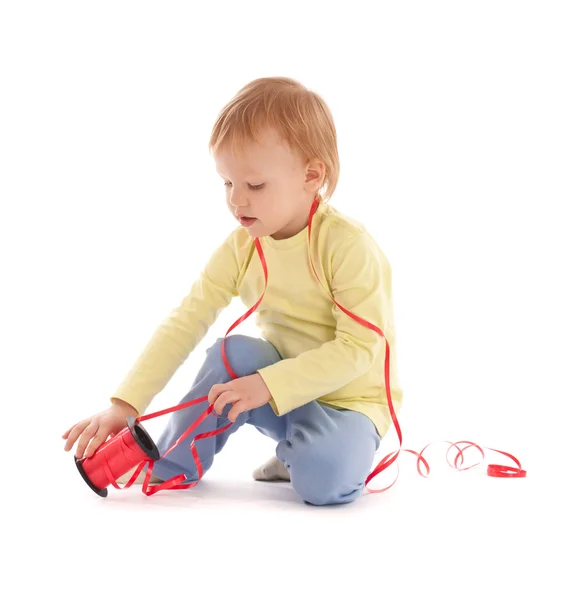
(335, 218)
(338, 227)
(345, 236)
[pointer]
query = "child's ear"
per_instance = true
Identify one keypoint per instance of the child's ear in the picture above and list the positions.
(315, 173)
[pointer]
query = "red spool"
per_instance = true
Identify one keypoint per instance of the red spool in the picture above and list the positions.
(131, 446)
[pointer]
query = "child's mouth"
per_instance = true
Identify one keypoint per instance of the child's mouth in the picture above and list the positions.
(247, 221)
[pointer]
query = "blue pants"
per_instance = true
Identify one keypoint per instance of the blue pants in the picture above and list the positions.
(328, 452)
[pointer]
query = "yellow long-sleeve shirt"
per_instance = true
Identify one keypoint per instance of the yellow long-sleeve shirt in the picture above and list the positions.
(326, 355)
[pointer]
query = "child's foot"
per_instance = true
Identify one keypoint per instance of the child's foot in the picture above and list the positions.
(140, 479)
(272, 470)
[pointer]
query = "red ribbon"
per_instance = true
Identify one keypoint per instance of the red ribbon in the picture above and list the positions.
(121, 452)
(128, 453)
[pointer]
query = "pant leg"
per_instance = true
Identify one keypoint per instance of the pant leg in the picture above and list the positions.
(328, 452)
(245, 355)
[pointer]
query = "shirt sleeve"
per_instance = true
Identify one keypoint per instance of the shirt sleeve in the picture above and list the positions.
(180, 332)
(361, 283)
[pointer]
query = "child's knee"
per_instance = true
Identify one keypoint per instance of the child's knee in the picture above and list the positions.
(245, 354)
(319, 478)
(327, 490)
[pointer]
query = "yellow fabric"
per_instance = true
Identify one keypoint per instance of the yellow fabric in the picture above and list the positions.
(327, 355)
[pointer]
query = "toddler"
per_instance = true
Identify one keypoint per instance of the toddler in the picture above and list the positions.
(314, 380)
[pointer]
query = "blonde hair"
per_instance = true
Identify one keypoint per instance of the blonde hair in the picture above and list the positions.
(299, 115)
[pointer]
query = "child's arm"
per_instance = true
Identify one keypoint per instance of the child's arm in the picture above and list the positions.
(361, 282)
(180, 332)
(169, 347)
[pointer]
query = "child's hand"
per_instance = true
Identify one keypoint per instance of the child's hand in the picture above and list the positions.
(243, 393)
(96, 429)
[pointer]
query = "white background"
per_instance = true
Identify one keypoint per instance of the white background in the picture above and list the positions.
(449, 127)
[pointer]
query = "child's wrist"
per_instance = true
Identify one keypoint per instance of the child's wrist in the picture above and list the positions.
(129, 408)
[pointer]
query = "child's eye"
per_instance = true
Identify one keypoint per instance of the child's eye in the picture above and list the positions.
(252, 187)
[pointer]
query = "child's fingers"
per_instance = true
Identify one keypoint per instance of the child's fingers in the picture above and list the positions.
(88, 434)
(96, 442)
(65, 434)
(235, 412)
(224, 399)
(74, 433)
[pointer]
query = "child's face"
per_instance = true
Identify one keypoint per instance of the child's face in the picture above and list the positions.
(286, 186)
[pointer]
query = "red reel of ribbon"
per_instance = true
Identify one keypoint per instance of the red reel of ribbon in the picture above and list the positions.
(130, 447)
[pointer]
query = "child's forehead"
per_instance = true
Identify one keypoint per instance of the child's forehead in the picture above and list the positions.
(253, 156)
(245, 162)
(255, 162)
(250, 165)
